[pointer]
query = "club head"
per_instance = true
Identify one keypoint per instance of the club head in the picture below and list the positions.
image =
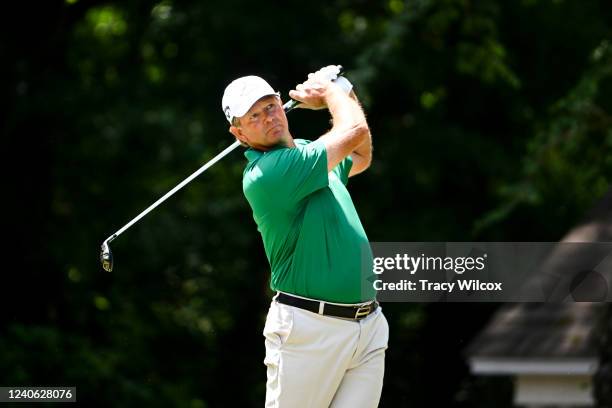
(106, 257)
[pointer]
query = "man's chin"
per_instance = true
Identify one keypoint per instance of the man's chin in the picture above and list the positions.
(276, 132)
(277, 137)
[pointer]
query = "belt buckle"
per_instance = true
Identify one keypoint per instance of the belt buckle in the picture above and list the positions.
(363, 311)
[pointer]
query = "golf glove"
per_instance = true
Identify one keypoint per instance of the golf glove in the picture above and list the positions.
(332, 73)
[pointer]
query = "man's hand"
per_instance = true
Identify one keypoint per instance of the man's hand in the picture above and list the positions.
(350, 134)
(313, 93)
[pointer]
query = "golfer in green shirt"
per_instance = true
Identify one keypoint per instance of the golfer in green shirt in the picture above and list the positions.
(325, 334)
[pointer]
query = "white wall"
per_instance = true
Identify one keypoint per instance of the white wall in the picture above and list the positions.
(553, 390)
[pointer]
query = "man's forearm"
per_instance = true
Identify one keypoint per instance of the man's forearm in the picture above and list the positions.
(364, 149)
(345, 110)
(349, 127)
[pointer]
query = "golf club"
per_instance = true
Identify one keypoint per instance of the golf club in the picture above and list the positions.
(106, 255)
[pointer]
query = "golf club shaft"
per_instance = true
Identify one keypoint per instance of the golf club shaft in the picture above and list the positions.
(177, 188)
(287, 107)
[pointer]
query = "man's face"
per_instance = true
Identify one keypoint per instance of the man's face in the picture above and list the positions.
(264, 125)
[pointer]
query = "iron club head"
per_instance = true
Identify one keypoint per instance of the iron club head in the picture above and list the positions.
(106, 257)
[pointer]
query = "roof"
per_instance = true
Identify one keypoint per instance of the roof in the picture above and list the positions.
(549, 333)
(537, 330)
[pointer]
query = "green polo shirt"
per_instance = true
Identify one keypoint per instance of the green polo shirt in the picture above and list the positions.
(311, 232)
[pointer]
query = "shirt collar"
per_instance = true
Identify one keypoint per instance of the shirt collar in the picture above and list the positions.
(254, 154)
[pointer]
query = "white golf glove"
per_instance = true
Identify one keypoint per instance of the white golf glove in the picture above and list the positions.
(332, 73)
(329, 72)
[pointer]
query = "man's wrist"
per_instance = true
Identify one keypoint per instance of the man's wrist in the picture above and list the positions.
(332, 91)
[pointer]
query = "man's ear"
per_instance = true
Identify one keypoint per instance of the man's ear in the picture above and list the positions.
(237, 132)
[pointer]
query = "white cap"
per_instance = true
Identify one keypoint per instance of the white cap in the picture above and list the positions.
(242, 93)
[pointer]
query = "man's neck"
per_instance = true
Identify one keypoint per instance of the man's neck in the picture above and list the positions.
(289, 143)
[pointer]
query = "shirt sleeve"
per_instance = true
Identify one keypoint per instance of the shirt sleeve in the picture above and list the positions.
(343, 169)
(289, 175)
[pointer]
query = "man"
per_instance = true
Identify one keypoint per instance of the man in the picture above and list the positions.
(325, 335)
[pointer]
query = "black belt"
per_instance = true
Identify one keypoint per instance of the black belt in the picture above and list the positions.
(328, 309)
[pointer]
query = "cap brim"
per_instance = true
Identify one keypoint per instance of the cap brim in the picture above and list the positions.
(247, 104)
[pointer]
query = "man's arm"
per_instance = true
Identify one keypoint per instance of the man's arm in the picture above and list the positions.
(362, 155)
(350, 134)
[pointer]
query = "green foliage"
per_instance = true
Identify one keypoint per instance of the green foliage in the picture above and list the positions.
(567, 160)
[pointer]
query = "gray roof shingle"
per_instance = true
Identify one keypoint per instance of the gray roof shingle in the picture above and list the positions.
(551, 330)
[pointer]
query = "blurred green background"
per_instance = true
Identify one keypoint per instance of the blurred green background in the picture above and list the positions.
(491, 121)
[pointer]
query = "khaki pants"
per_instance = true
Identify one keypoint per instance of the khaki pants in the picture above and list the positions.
(316, 361)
